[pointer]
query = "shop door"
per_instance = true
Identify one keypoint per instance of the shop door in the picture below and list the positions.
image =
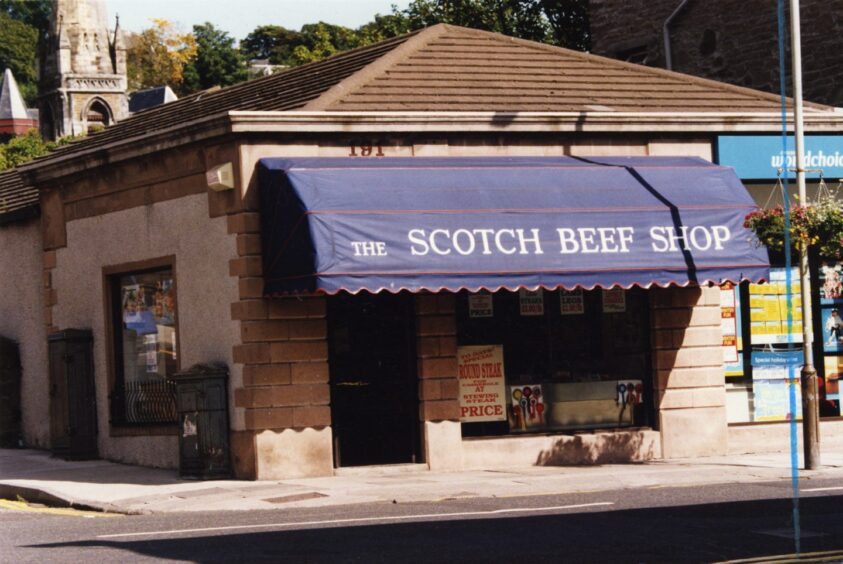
(374, 397)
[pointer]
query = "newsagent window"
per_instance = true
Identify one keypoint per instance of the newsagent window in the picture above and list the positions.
(553, 360)
(144, 346)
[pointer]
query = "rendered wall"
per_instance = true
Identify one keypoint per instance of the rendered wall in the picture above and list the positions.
(22, 319)
(202, 248)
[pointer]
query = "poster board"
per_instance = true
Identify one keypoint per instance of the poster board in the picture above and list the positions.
(768, 310)
(531, 303)
(571, 302)
(481, 376)
(771, 382)
(614, 300)
(481, 305)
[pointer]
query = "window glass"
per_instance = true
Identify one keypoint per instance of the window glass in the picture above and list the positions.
(145, 346)
(569, 360)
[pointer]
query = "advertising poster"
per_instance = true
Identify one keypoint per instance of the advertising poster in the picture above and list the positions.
(571, 302)
(614, 300)
(771, 383)
(482, 391)
(833, 369)
(832, 330)
(480, 305)
(532, 303)
(729, 323)
(768, 310)
(831, 286)
(526, 409)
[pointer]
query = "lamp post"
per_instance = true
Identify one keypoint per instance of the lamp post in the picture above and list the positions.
(810, 412)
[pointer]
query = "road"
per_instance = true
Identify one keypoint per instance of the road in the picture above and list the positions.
(665, 524)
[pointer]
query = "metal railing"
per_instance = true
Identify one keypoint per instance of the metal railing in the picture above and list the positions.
(151, 402)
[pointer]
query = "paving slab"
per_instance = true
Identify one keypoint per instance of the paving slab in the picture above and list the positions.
(98, 484)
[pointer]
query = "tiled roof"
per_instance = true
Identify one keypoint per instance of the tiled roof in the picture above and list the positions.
(449, 68)
(459, 69)
(17, 201)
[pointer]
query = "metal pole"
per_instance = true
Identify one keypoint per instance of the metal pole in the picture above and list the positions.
(810, 411)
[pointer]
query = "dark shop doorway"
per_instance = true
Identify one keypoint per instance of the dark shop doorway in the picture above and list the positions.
(374, 395)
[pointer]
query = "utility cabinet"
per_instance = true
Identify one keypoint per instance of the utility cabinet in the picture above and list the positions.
(202, 404)
(73, 406)
(10, 400)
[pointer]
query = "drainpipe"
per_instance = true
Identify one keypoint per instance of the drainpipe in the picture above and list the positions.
(668, 59)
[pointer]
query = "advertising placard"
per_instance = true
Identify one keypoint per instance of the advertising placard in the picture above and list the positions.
(760, 157)
(531, 303)
(614, 300)
(768, 309)
(481, 375)
(480, 305)
(526, 407)
(771, 381)
(571, 302)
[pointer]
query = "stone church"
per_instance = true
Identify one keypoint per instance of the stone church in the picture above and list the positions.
(82, 71)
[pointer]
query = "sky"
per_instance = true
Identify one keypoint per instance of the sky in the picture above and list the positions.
(239, 17)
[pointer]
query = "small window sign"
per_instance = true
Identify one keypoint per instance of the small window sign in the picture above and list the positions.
(481, 305)
(614, 300)
(532, 303)
(571, 302)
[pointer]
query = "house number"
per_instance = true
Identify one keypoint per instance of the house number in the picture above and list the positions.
(366, 150)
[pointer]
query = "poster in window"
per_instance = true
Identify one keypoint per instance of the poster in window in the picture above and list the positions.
(531, 303)
(831, 285)
(833, 369)
(729, 328)
(571, 302)
(481, 376)
(480, 305)
(773, 374)
(136, 314)
(614, 300)
(832, 330)
(768, 315)
(526, 407)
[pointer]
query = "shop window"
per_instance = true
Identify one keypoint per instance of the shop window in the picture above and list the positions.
(758, 357)
(144, 344)
(534, 362)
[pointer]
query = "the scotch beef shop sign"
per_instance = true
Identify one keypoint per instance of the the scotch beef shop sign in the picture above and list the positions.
(394, 224)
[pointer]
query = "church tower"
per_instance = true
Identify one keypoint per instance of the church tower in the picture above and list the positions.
(82, 71)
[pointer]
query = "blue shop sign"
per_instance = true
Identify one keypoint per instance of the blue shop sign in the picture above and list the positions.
(759, 157)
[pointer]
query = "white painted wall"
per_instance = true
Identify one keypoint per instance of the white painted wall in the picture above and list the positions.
(22, 320)
(205, 291)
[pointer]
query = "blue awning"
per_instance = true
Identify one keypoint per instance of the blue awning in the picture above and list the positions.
(392, 224)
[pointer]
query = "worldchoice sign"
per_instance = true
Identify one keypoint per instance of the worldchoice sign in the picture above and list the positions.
(759, 157)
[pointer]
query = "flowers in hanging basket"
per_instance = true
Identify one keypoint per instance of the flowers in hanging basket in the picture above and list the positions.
(818, 225)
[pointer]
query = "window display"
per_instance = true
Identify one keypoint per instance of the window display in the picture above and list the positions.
(145, 347)
(580, 361)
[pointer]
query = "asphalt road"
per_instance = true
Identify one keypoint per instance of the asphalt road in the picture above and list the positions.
(700, 524)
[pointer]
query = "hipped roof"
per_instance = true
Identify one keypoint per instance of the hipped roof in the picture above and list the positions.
(450, 68)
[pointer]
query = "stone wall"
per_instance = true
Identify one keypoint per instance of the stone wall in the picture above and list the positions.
(734, 42)
(689, 386)
(24, 284)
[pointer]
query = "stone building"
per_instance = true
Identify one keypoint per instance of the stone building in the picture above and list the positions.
(734, 41)
(82, 72)
(168, 236)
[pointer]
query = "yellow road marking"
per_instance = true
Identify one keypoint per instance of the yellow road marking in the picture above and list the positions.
(67, 511)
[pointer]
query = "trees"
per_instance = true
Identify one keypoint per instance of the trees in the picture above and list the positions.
(272, 42)
(18, 52)
(157, 56)
(216, 62)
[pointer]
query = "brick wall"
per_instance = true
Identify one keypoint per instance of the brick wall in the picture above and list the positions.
(734, 41)
(689, 384)
(436, 346)
(283, 350)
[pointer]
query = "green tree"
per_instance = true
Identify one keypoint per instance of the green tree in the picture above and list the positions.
(157, 56)
(18, 52)
(34, 13)
(217, 61)
(28, 146)
(271, 42)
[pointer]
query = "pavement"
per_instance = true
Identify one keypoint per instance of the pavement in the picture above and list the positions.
(36, 476)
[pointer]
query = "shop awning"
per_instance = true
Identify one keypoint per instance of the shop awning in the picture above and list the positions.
(392, 224)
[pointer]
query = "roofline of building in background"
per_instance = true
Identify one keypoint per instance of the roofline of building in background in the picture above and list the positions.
(244, 122)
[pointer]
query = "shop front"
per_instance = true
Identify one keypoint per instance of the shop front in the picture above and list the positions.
(472, 302)
(762, 349)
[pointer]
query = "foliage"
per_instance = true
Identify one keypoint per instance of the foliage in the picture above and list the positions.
(216, 62)
(28, 146)
(34, 13)
(158, 55)
(818, 226)
(272, 42)
(18, 52)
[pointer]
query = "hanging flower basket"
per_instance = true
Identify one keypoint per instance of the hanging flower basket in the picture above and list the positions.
(816, 226)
